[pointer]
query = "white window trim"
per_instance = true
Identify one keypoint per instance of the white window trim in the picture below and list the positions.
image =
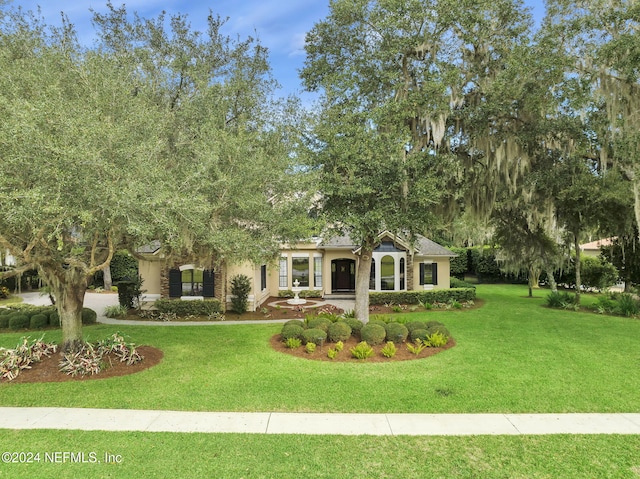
(396, 255)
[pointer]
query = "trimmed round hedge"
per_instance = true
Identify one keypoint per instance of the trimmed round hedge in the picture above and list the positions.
(18, 321)
(339, 331)
(355, 325)
(396, 332)
(296, 322)
(89, 316)
(291, 331)
(314, 335)
(373, 333)
(420, 334)
(38, 321)
(319, 322)
(416, 325)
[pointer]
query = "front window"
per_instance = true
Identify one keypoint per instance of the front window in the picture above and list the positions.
(427, 274)
(192, 282)
(283, 275)
(372, 275)
(387, 273)
(300, 271)
(402, 262)
(317, 271)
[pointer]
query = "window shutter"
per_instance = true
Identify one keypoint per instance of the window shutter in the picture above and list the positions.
(175, 283)
(422, 265)
(207, 283)
(435, 273)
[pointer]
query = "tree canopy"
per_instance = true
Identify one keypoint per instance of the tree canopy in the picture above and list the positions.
(156, 133)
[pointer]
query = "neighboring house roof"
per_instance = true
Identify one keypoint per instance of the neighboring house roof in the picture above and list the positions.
(595, 245)
(423, 247)
(151, 248)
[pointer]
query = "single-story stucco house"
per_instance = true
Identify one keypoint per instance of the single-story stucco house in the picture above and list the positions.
(327, 267)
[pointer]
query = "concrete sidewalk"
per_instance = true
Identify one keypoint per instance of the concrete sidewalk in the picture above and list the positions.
(317, 423)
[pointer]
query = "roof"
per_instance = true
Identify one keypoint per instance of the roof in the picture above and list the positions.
(423, 247)
(151, 248)
(595, 245)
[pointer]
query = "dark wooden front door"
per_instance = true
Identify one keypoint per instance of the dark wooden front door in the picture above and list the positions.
(343, 275)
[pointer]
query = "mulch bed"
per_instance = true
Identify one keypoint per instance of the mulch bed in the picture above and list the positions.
(320, 354)
(47, 371)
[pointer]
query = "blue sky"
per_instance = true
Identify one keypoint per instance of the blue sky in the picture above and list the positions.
(279, 24)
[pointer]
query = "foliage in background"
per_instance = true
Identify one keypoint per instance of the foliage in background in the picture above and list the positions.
(240, 289)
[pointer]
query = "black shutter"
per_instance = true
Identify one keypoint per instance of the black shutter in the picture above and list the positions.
(422, 265)
(207, 283)
(434, 269)
(175, 283)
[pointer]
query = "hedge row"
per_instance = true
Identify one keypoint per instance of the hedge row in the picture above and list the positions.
(415, 297)
(24, 316)
(197, 307)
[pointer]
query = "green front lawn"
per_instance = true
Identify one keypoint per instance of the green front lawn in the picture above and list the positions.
(277, 456)
(512, 355)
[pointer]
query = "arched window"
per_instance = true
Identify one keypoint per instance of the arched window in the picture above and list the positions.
(387, 273)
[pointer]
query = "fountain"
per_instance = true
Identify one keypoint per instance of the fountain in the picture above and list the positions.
(296, 292)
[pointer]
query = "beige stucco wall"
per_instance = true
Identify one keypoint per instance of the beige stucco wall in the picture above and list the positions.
(150, 272)
(444, 271)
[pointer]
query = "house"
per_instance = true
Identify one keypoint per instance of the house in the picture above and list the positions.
(594, 247)
(327, 267)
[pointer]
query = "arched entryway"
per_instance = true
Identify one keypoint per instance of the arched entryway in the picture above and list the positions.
(343, 275)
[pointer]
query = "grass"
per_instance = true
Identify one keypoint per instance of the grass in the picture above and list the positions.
(513, 355)
(10, 300)
(276, 456)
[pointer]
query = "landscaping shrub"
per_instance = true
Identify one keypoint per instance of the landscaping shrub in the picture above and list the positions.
(373, 334)
(559, 299)
(310, 347)
(291, 331)
(319, 322)
(240, 288)
(389, 350)
(314, 335)
(355, 325)
(339, 331)
(416, 297)
(362, 350)
(181, 307)
(18, 321)
(54, 319)
(296, 322)
(438, 328)
(416, 325)
(115, 311)
(38, 321)
(396, 332)
(126, 293)
(293, 343)
(419, 335)
(627, 305)
(458, 283)
(4, 321)
(437, 340)
(89, 316)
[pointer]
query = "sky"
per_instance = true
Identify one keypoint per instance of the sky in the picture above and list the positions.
(280, 25)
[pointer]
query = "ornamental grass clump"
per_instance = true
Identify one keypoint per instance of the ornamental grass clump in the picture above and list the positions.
(437, 340)
(389, 350)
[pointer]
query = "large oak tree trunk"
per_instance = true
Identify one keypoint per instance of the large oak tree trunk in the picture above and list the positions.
(69, 287)
(362, 284)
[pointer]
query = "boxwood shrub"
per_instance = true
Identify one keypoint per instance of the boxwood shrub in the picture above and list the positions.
(373, 334)
(54, 319)
(89, 316)
(297, 322)
(415, 297)
(181, 307)
(319, 322)
(420, 334)
(291, 331)
(18, 321)
(416, 325)
(38, 321)
(314, 335)
(4, 321)
(339, 331)
(355, 325)
(397, 332)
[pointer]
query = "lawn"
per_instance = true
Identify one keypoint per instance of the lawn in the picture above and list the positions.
(512, 355)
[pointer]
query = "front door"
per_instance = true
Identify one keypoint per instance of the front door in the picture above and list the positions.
(343, 275)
